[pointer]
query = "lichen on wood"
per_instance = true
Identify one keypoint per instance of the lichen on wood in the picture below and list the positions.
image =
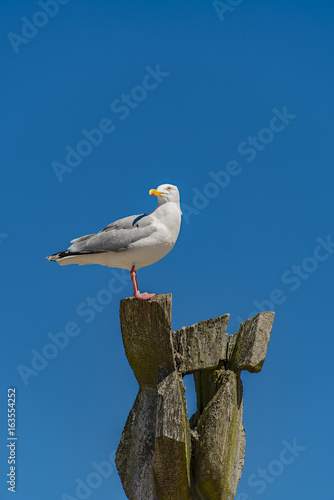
(162, 455)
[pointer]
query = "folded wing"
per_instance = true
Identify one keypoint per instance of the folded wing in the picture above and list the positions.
(116, 236)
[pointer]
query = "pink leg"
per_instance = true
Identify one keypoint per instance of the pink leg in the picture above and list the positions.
(136, 293)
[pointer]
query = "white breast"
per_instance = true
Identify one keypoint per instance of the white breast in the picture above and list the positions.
(167, 221)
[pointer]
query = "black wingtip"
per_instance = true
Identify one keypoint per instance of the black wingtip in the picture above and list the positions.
(59, 255)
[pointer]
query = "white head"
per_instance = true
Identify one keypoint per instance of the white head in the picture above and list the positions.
(166, 192)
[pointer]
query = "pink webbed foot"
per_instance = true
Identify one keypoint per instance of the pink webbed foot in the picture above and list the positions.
(136, 292)
(143, 296)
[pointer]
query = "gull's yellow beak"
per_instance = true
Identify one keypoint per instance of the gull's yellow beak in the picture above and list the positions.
(154, 192)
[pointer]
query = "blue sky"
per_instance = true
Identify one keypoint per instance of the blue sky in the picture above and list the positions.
(234, 106)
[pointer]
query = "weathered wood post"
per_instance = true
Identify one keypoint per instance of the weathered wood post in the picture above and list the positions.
(161, 455)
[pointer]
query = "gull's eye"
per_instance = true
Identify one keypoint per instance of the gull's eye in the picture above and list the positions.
(169, 188)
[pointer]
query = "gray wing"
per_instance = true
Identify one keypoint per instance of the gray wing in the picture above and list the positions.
(116, 236)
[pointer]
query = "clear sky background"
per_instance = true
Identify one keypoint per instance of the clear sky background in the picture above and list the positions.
(241, 120)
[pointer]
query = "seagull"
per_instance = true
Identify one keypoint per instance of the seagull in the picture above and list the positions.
(133, 242)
